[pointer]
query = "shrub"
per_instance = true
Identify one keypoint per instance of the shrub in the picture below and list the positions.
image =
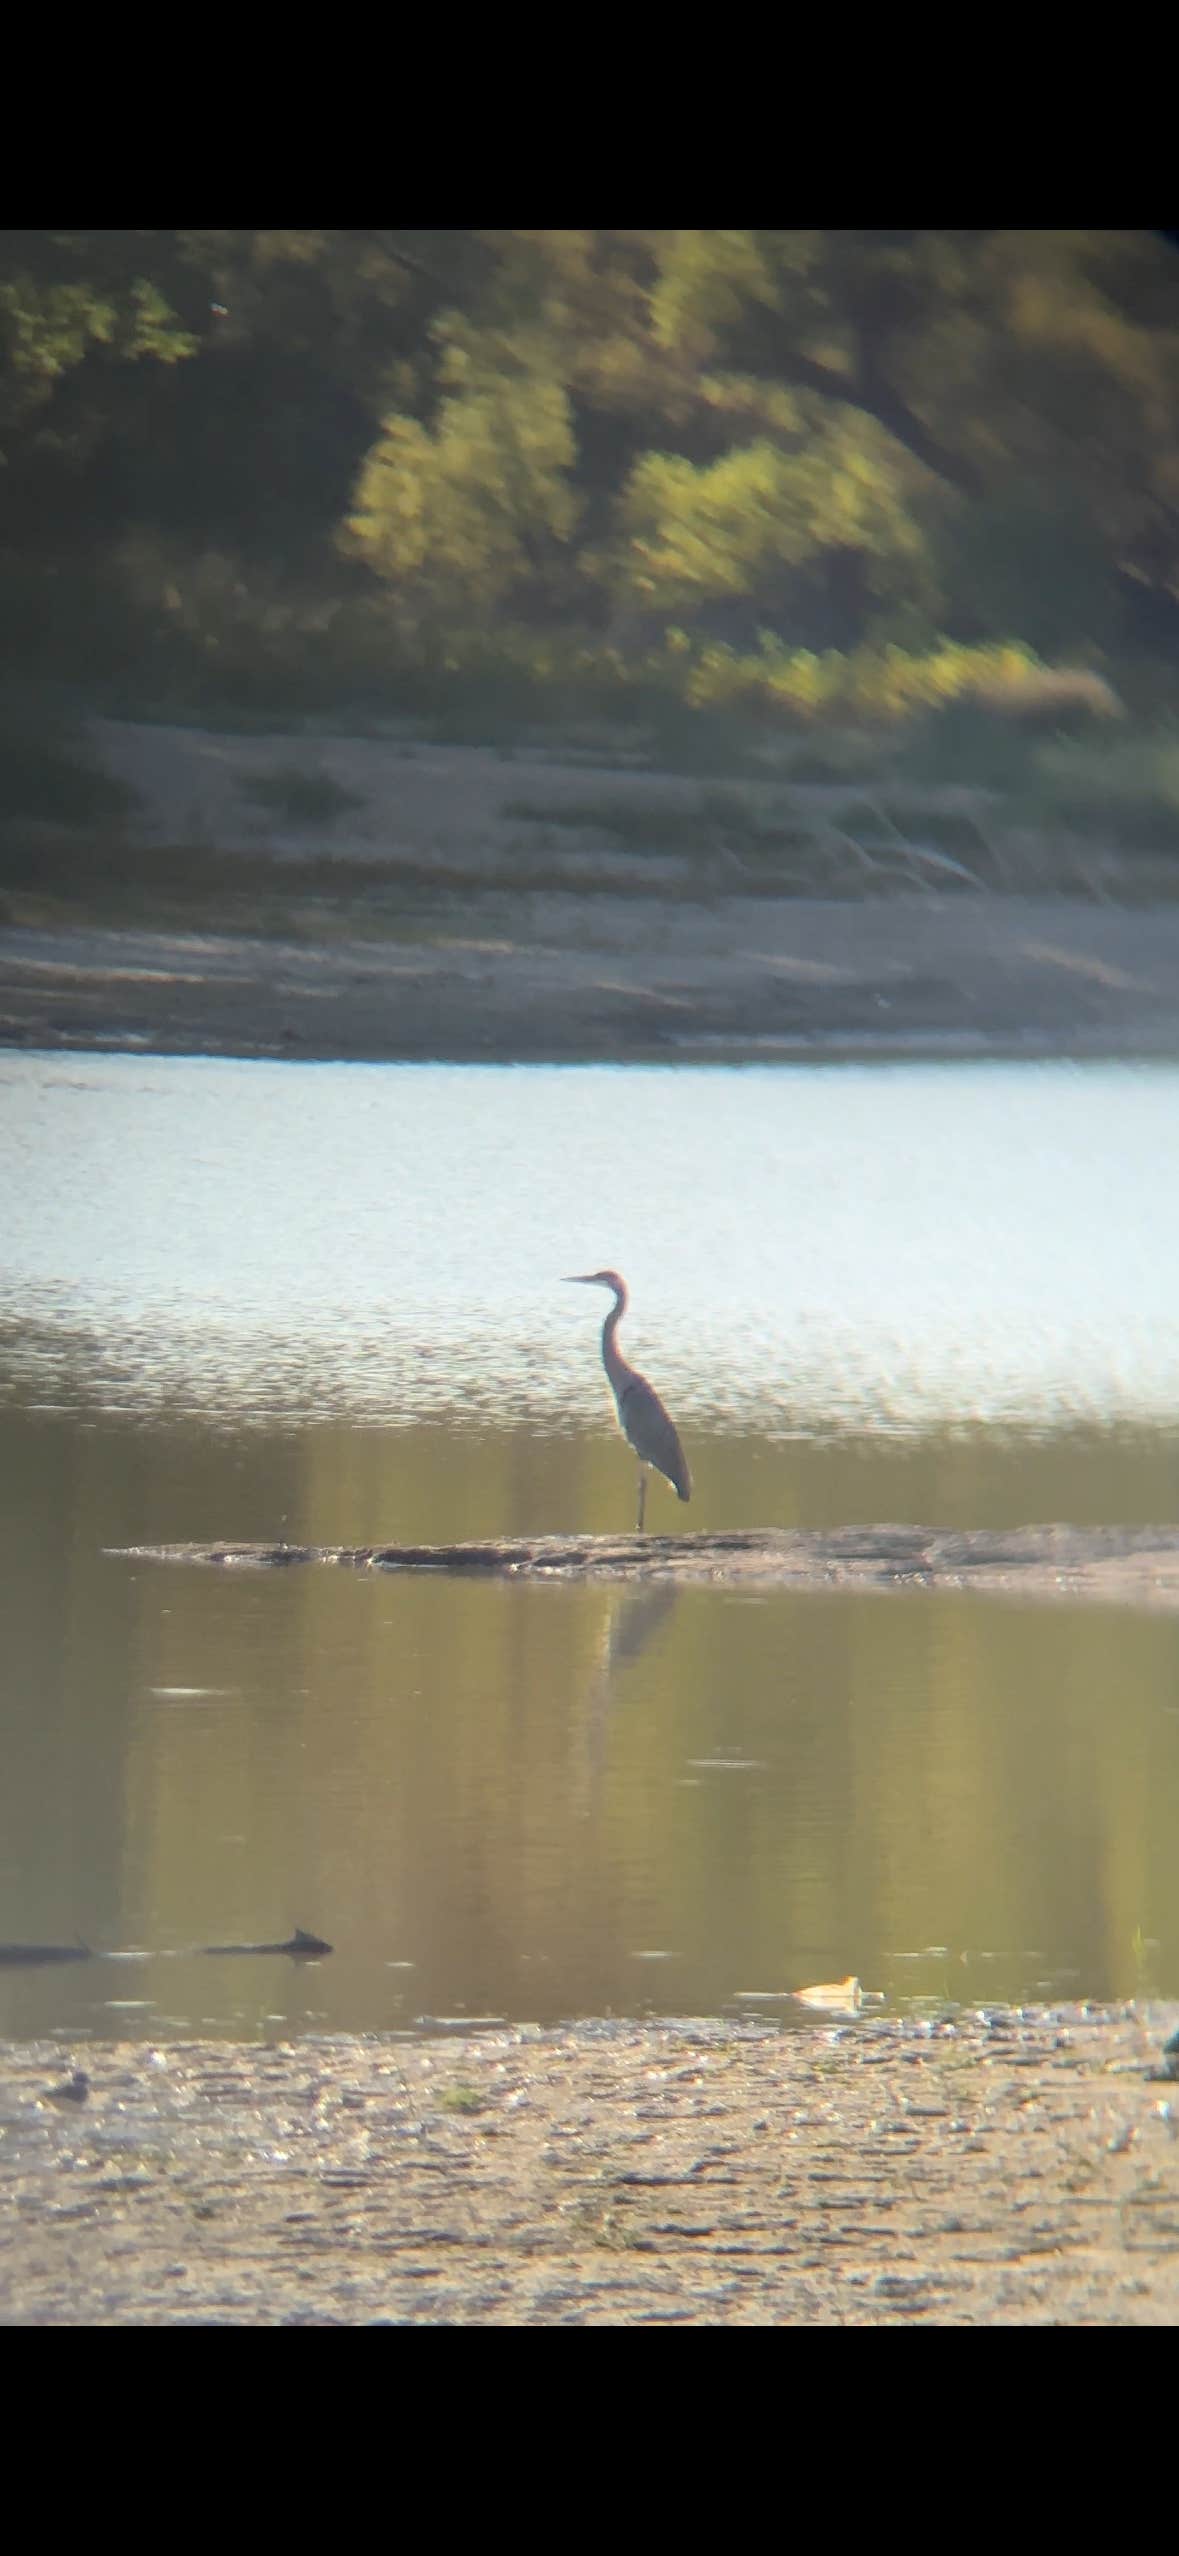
(301, 797)
(48, 773)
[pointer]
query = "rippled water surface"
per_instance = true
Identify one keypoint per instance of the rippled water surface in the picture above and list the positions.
(323, 1302)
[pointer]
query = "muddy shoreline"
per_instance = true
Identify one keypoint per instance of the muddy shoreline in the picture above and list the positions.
(989, 2166)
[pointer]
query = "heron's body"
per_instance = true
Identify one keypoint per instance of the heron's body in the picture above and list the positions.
(644, 1423)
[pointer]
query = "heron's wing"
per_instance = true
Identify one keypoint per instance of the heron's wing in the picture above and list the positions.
(652, 1434)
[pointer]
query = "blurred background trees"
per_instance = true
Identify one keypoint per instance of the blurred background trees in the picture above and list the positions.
(809, 471)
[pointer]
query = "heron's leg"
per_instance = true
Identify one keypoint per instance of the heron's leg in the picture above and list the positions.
(642, 1496)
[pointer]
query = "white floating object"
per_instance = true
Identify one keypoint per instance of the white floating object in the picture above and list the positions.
(188, 1694)
(727, 1765)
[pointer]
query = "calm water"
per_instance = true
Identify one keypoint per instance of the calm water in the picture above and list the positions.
(323, 1302)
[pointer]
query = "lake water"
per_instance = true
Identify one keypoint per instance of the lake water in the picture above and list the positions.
(323, 1303)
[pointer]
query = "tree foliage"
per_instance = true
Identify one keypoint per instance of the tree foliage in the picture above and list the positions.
(826, 440)
(65, 295)
(475, 509)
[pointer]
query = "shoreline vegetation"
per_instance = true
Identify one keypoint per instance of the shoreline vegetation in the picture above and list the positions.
(101, 805)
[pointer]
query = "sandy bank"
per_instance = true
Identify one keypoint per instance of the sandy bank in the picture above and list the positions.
(472, 904)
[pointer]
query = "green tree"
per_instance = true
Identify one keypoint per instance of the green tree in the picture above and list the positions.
(476, 509)
(759, 416)
(840, 437)
(66, 296)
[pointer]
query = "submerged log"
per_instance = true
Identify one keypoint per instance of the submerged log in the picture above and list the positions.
(1124, 1566)
(29, 1956)
(298, 1947)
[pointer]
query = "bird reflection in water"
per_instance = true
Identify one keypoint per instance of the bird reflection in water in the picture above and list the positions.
(631, 1621)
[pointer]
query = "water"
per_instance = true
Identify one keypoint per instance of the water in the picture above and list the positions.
(322, 1303)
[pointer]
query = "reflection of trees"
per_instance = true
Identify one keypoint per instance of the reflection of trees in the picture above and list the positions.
(420, 1770)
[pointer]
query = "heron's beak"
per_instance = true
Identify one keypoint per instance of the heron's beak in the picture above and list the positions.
(578, 1282)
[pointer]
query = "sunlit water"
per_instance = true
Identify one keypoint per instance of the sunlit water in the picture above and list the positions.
(324, 1302)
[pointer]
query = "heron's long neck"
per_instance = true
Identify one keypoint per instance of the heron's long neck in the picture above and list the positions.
(612, 1357)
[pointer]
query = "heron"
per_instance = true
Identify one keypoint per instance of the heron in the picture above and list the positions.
(641, 1416)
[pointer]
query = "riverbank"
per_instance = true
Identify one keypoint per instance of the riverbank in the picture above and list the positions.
(924, 977)
(990, 2167)
(357, 898)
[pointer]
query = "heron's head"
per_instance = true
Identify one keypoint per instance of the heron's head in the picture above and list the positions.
(600, 1278)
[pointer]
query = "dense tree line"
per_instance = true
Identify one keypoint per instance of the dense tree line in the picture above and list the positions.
(401, 447)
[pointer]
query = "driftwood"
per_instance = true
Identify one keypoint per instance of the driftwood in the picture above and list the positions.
(1123, 1566)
